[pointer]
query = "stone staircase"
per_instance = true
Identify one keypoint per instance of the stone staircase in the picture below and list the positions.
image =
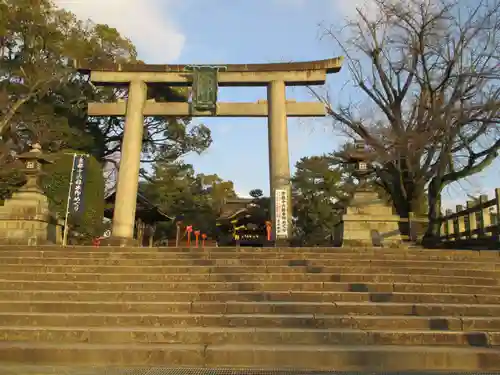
(294, 308)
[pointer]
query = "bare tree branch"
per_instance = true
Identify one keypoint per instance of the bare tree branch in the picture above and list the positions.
(429, 72)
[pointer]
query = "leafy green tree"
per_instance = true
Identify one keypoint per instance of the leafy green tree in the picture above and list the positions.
(43, 99)
(33, 42)
(261, 205)
(317, 188)
(216, 190)
(256, 193)
(180, 192)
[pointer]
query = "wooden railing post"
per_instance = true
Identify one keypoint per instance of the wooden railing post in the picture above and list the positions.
(496, 229)
(497, 198)
(484, 217)
(450, 227)
(472, 220)
(460, 223)
(442, 229)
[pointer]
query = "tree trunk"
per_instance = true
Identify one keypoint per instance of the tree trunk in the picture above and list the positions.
(404, 196)
(403, 209)
(431, 237)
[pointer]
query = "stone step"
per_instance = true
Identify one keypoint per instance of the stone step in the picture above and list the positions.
(341, 358)
(457, 269)
(256, 261)
(200, 286)
(162, 250)
(141, 263)
(368, 267)
(245, 296)
(321, 277)
(251, 307)
(5, 256)
(361, 322)
(201, 273)
(244, 336)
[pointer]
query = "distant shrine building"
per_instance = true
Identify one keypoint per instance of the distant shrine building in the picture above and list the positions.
(147, 216)
(242, 222)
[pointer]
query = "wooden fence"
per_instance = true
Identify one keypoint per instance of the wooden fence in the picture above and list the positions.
(477, 225)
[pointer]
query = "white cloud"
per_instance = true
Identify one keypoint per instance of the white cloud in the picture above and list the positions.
(144, 22)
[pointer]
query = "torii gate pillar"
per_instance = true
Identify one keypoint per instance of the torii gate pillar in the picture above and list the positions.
(279, 162)
(128, 174)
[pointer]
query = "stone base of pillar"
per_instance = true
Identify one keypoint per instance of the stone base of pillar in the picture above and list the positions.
(282, 243)
(120, 242)
(25, 219)
(370, 222)
(267, 243)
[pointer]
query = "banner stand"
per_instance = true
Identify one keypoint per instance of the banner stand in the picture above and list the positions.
(70, 185)
(74, 204)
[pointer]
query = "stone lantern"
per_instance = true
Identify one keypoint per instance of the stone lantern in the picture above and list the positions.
(25, 218)
(33, 168)
(367, 220)
(359, 156)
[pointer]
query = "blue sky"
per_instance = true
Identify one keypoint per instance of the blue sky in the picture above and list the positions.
(246, 31)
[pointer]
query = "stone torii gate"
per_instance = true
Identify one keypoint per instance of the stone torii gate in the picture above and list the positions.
(205, 80)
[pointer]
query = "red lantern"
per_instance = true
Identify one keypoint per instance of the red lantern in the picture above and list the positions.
(268, 230)
(189, 229)
(197, 235)
(96, 241)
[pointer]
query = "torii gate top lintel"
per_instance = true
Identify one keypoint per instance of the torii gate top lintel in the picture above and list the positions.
(332, 65)
(293, 73)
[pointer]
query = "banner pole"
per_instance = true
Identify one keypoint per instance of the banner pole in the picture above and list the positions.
(66, 229)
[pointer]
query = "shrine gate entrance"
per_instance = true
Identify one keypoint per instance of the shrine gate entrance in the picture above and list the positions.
(205, 81)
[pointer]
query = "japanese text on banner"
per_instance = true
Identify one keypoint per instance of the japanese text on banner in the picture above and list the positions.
(78, 184)
(281, 212)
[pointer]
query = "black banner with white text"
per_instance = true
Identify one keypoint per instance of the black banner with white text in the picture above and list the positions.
(76, 203)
